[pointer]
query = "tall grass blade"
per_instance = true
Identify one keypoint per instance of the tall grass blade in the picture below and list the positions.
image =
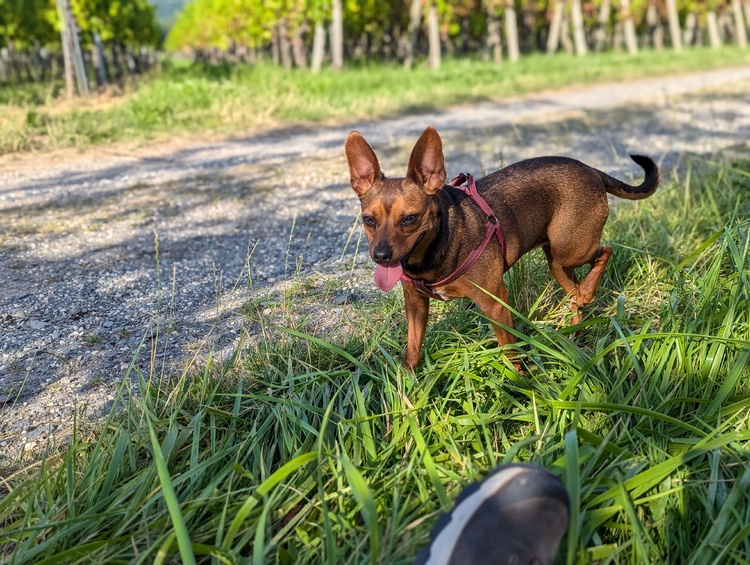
(170, 497)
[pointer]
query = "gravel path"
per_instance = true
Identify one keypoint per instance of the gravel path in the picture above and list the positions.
(160, 247)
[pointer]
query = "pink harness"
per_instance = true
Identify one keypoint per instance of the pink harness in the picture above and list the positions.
(464, 182)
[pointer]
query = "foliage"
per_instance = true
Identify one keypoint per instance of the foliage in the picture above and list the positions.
(27, 22)
(213, 23)
(204, 22)
(132, 22)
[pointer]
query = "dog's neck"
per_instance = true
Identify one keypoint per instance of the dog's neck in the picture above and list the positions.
(430, 258)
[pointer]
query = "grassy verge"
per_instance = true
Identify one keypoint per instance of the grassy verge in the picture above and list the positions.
(186, 100)
(306, 450)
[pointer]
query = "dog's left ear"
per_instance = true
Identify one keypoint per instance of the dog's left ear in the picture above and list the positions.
(427, 164)
(363, 164)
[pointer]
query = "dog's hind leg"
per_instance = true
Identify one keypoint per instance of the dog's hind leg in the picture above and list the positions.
(581, 294)
(566, 278)
(587, 288)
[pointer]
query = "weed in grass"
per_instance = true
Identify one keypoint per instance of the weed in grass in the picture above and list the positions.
(308, 449)
(96, 380)
(15, 364)
(93, 339)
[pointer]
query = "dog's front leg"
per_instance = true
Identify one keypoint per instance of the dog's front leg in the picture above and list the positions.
(497, 313)
(500, 316)
(417, 311)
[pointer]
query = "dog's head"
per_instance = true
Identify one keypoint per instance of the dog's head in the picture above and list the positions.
(398, 214)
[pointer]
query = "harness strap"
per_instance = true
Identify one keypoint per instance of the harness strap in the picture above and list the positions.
(466, 183)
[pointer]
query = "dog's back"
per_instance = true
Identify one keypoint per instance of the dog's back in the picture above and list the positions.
(562, 200)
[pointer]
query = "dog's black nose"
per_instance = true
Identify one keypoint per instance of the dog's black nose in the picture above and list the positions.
(382, 253)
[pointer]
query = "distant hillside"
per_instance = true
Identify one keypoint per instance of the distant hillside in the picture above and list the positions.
(166, 9)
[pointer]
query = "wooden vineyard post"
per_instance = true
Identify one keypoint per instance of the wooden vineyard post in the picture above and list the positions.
(674, 25)
(415, 17)
(433, 36)
(579, 36)
(74, 66)
(511, 31)
(337, 35)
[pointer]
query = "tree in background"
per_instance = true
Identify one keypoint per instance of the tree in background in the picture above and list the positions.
(24, 24)
(33, 32)
(132, 22)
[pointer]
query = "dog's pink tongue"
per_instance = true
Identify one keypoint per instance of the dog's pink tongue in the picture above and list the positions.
(386, 277)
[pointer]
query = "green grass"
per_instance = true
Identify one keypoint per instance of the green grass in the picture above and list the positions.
(303, 450)
(186, 100)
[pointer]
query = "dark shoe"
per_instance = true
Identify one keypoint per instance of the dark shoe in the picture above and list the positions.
(517, 515)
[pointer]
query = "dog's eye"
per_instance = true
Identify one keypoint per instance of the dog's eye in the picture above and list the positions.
(368, 221)
(410, 219)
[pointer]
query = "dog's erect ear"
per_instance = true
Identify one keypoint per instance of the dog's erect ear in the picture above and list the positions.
(363, 164)
(427, 165)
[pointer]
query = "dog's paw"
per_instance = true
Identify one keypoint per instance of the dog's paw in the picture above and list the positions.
(410, 365)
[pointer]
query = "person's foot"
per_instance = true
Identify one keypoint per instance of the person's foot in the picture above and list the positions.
(517, 515)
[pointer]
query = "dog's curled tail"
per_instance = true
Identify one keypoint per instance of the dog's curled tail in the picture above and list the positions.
(646, 188)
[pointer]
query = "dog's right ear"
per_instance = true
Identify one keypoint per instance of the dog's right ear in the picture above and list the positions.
(363, 164)
(427, 164)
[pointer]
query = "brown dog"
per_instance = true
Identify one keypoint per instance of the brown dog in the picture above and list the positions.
(443, 242)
